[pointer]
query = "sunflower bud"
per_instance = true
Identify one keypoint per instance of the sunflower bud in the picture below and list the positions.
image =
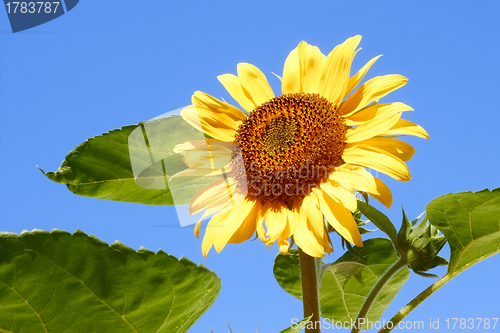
(420, 244)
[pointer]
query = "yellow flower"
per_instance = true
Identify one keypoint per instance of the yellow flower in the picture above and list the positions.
(302, 154)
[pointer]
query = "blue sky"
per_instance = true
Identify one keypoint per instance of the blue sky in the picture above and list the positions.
(107, 64)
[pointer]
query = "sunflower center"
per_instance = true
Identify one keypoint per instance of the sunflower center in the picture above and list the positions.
(280, 134)
(289, 145)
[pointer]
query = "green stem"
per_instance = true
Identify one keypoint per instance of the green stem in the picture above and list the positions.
(414, 303)
(376, 290)
(310, 291)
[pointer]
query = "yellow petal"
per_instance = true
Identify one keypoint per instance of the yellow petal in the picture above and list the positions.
(337, 70)
(373, 111)
(356, 78)
(292, 81)
(305, 237)
(255, 83)
(405, 127)
(183, 148)
(276, 220)
(290, 215)
(377, 160)
(235, 89)
(340, 218)
(283, 245)
(207, 195)
(248, 227)
(261, 216)
(351, 177)
(234, 221)
(382, 193)
(217, 125)
(370, 91)
(197, 228)
(311, 67)
(205, 100)
(356, 178)
(217, 194)
(338, 192)
(212, 156)
(286, 233)
(373, 127)
(191, 173)
(396, 147)
(314, 216)
(211, 231)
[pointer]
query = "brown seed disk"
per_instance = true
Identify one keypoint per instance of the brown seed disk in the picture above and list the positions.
(289, 145)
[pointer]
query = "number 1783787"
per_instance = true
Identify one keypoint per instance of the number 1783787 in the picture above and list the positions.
(32, 7)
(471, 323)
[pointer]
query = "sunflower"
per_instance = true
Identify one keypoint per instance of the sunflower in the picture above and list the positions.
(302, 155)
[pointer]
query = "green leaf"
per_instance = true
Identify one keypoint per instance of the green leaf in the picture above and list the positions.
(57, 282)
(297, 327)
(471, 223)
(348, 281)
(379, 219)
(101, 166)
(287, 272)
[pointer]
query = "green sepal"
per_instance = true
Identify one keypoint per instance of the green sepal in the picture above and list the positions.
(380, 220)
(363, 230)
(404, 231)
(427, 275)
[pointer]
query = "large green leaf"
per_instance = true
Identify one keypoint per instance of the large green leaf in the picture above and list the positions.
(57, 282)
(471, 223)
(101, 167)
(348, 281)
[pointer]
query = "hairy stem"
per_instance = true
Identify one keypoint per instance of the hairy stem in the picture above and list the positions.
(376, 290)
(310, 291)
(414, 303)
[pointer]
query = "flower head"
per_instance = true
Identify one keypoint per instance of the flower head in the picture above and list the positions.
(297, 159)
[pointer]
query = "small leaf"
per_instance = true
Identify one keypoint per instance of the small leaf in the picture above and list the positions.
(297, 327)
(57, 282)
(101, 167)
(287, 272)
(351, 250)
(380, 220)
(471, 223)
(347, 282)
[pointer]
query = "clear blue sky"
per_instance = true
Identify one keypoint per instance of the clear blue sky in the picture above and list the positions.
(106, 64)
